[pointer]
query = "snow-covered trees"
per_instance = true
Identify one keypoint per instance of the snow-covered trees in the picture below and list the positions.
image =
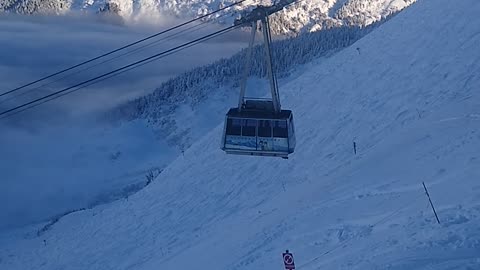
(364, 12)
(35, 6)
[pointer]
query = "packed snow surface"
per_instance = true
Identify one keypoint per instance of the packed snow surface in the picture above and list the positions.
(407, 94)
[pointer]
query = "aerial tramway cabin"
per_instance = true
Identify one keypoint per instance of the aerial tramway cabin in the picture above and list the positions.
(259, 127)
(259, 131)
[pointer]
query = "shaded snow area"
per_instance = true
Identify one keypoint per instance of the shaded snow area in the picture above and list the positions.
(49, 172)
(407, 94)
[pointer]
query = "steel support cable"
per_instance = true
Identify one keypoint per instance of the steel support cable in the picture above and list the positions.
(42, 100)
(151, 44)
(122, 48)
(112, 73)
(106, 78)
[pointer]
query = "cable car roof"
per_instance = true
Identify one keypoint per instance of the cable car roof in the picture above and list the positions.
(260, 114)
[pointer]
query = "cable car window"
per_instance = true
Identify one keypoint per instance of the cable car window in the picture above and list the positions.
(234, 127)
(248, 127)
(291, 127)
(280, 129)
(264, 128)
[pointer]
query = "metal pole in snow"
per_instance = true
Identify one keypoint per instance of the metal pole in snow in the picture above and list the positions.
(431, 204)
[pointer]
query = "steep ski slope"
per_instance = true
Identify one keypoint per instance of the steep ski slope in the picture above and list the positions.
(407, 94)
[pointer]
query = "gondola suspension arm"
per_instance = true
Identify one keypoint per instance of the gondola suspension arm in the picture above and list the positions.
(246, 71)
(261, 13)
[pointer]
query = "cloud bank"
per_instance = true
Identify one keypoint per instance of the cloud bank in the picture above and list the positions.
(54, 158)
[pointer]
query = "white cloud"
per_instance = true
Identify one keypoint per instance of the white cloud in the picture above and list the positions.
(33, 47)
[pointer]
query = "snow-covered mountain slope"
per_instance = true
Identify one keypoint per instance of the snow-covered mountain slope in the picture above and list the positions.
(407, 94)
(62, 168)
(306, 15)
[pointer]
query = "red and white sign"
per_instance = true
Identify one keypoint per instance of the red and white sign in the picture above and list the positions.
(288, 260)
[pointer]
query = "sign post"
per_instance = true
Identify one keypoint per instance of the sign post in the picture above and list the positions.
(288, 260)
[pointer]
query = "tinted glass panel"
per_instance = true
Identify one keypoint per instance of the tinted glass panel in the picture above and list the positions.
(280, 129)
(264, 128)
(248, 127)
(234, 127)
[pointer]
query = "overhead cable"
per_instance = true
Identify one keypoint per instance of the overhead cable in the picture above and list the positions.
(78, 86)
(122, 48)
